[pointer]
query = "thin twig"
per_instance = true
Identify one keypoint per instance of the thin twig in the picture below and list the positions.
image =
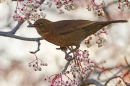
(66, 66)
(17, 27)
(38, 48)
(113, 78)
(88, 75)
(128, 66)
(127, 62)
(122, 68)
(23, 0)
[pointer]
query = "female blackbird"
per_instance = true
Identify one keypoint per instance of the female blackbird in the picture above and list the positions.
(67, 33)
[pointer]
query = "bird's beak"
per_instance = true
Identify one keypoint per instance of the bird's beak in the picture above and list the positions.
(31, 25)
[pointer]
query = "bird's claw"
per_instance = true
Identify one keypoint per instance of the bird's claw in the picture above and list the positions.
(62, 48)
(68, 57)
(58, 48)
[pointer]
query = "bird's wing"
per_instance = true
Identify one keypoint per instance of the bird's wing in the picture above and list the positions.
(68, 26)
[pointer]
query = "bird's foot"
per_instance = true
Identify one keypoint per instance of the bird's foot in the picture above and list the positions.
(72, 50)
(68, 57)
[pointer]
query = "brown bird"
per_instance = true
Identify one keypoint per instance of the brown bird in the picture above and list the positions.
(67, 33)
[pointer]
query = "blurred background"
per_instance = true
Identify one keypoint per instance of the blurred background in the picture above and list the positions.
(15, 56)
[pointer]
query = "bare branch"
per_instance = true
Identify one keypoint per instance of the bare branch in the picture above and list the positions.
(92, 81)
(67, 56)
(89, 74)
(87, 82)
(66, 66)
(111, 79)
(23, 0)
(17, 27)
(11, 35)
(127, 62)
(13, 31)
(119, 76)
(128, 66)
(122, 68)
(38, 47)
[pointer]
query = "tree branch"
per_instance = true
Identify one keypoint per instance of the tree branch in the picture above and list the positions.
(87, 82)
(122, 68)
(111, 79)
(66, 66)
(92, 81)
(11, 35)
(41, 1)
(38, 47)
(14, 30)
(17, 27)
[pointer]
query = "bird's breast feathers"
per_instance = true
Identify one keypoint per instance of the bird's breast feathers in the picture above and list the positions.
(66, 39)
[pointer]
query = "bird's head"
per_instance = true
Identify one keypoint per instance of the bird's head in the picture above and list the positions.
(41, 25)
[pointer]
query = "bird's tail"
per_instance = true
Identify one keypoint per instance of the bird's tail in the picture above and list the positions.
(112, 21)
(94, 27)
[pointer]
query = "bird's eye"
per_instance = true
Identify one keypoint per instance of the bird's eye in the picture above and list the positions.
(41, 23)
